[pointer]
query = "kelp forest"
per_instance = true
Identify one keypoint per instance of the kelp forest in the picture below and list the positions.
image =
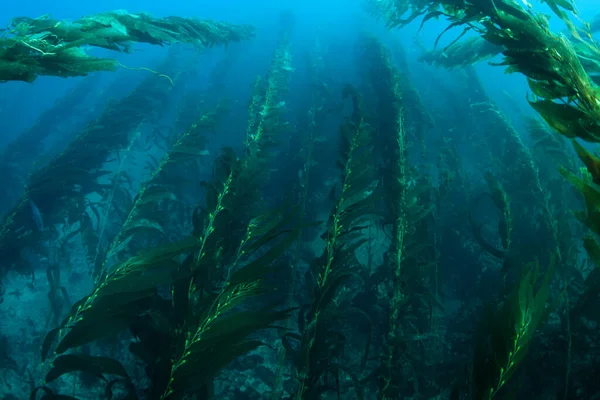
(396, 232)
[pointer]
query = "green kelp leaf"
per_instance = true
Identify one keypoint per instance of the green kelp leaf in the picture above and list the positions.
(93, 365)
(142, 280)
(566, 120)
(550, 90)
(430, 15)
(168, 251)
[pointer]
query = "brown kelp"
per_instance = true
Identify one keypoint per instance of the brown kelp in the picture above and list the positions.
(45, 46)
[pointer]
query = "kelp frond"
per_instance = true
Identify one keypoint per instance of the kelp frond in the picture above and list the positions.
(505, 333)
(549, 61)
(45, 46)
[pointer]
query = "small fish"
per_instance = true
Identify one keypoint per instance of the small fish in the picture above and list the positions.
(37, 216)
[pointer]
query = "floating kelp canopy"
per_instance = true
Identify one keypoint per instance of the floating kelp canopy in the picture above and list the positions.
(46, 46)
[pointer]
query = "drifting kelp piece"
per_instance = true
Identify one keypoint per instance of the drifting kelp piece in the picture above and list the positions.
(44, 46)
(144, 28)
(505, 333)
(462, 53)
(529, 47)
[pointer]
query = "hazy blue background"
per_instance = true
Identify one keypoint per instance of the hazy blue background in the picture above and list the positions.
(336, 22)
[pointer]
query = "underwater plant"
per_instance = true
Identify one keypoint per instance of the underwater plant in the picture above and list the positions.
(201, 327)
(506, 331)
(44, 46)
(552, 75)
(317, 349)
(462, 53)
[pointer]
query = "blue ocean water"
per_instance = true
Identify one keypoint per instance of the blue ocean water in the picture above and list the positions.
(332, 38)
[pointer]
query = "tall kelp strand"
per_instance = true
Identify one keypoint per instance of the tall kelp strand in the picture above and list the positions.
(318, 347)
(234, 194)
(148, 214)
(309, 138)
(45, 46)
(409, 265)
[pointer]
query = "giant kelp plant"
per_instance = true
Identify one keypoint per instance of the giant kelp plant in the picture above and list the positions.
(44, 46)
(370, 236)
